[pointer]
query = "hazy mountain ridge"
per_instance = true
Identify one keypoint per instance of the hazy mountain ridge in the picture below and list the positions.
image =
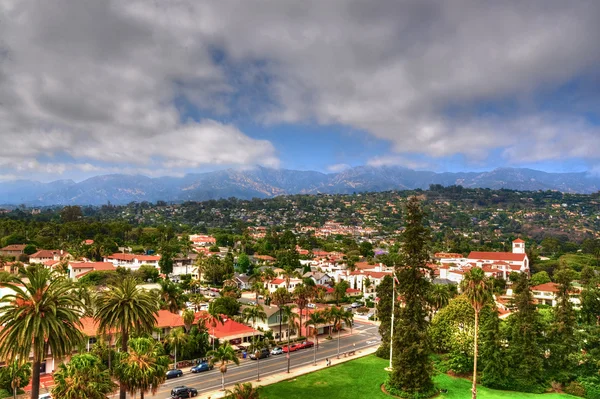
(265, 182)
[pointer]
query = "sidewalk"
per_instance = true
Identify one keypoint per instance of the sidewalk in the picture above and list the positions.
(273, 379)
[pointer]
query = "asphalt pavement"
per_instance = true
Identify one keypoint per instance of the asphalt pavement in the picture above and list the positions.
(363, 336)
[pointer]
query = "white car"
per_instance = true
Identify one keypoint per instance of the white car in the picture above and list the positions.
(45, 396)
(277, 351)
(356, 305)
(311, 306)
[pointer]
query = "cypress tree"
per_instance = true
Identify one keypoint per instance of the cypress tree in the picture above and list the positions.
(384, 313)
(412, 367)
(563, 343)
(525, 350)
(495, 370)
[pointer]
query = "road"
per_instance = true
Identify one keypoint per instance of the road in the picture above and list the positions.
(364, 336)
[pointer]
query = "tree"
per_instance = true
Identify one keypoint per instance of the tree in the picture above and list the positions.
(15, 375)
(291, 320)
(339, 291)
(366, 249)
(252, 314)
(225, 305)
(171, 295)
(126, 308)
(281, 296)
(412, 367)
(384, 314)
(188, 317)
(224, 355)
(590, 304)
(176, 338)
(524, 340)
(563, 344)
(314, 319)
(40, 315)
(301, 297)
(143, 367)
(84, 377)
(214, 317)
(29, 249)
(493, 354)
(242, 391)
(540, 278)
(439, 295)
(478, 291)
(243, 263)
(71, 213)
(147, 273)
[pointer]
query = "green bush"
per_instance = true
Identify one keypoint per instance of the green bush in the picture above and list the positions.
(576, 389)
(5, 394)
(591, 386)
(408, 395)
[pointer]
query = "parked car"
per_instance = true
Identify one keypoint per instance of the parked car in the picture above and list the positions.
(183, 392)
(356, 305)
(204, 366)
(174, 374)
(311, 306)
(292, 348)
(264, 352)
(307, 344)
(277, 351)
(45, 396)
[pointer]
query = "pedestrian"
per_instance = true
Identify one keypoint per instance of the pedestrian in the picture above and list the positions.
(327, 362)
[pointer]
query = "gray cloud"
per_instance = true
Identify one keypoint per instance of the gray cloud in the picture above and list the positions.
(98, 80)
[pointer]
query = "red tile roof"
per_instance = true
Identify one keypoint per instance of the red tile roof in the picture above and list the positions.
(92, 265)
(546, 287)
(48, 253)
(505, 256)
(131, 257)
(277, 281)
(14, 247)
(518, 240)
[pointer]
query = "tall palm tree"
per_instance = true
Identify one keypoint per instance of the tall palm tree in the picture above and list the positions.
(126, 308)
(348, 318)
(314, 319)
(253, 314)
(438, 297)
(224, 354)
(478, 291)
(214, 317)
(143, 367)
(40, 314)
(288, 274)
(291, 320)
(176, 338)
(281, 296)
(301, 298)
(84, 377)
(242, 391)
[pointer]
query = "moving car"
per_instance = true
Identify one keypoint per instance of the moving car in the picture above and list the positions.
(277, 350)
(204, 366)
(174, 374)
(307, 344)
(264, 352)
(183, 392)
(292, 348)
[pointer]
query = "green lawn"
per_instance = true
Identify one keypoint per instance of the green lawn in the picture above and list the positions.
(363, 377)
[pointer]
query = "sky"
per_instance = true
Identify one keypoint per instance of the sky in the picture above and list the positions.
(168, 87)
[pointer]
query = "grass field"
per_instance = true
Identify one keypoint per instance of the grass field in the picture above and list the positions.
(362, 378)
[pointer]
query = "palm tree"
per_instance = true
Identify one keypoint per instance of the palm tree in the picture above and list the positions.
(291, 319)
(223, 354)
(348, 318)
(214, 317)
(18, 374)
(314, 319)
(438, 297)
(281, 296)
(188, 317)
(301, 298)
(478, 291)
(176, 337)
(84, 377)
(143, 367)
(40, 314)
(288, 274)
(253, 314)
(171, 296)
(126, 308)
(242, 391)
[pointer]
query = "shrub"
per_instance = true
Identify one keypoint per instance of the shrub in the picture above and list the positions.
(591, 386)
(576, 389)
(5, 394)
(409, 395)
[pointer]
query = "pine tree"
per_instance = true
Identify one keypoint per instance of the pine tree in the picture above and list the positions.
(384, 313)
(412, 368)
(525, 350)
(563, 343)
(492, 354)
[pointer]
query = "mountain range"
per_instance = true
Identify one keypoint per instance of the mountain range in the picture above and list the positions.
(266, 182)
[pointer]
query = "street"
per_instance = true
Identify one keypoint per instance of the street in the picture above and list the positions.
(364, 335)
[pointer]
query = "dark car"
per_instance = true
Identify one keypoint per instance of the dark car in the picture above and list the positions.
(204, 366)
(174, 374)
(183, 392)
(264, 352)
